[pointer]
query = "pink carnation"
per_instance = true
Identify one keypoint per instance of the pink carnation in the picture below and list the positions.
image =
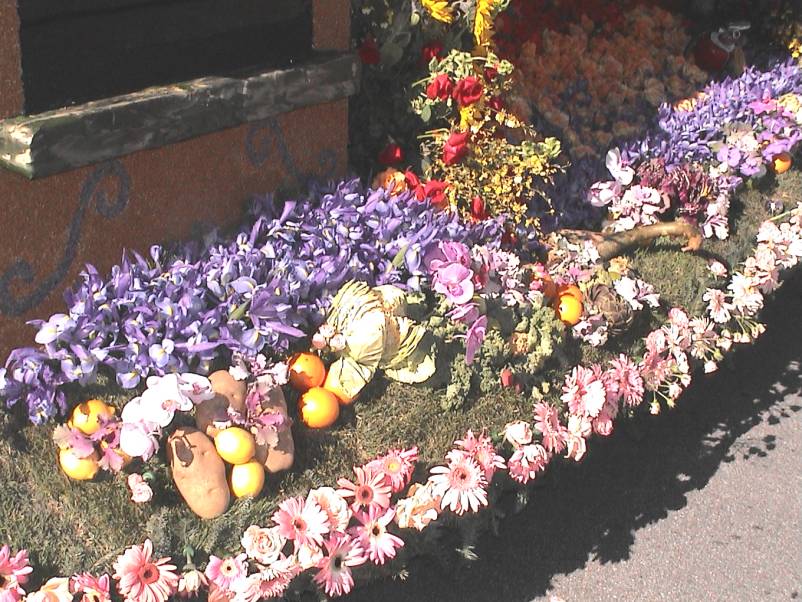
(584, 391)
(547, 422)
(14, 571)
(624, 381)
(140, 490)
(527, 461)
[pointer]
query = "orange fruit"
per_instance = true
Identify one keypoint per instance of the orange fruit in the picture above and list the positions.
(781, 163)
(569, 309)
(306, 371)
(570, 289)
(235, 445)
(319, 408)
(335, 388)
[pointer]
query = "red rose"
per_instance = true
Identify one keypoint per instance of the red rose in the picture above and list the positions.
(391, 155)
(369, 52)
(496, 103)
(491, 73)
(456, 147)
(430, 51)
(413, 184)
(478, 210)
(467, 91)
(435, 191)
(440, 87)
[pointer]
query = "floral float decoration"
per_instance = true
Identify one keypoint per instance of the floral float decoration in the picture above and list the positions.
(488, 174)
(333, 531)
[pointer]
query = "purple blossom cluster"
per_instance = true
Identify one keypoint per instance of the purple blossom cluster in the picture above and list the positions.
(686, 135)
(178, 309)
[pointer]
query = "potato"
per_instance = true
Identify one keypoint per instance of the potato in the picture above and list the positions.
(226, 385)
(199, 473)
(281, 455)
(210, 411)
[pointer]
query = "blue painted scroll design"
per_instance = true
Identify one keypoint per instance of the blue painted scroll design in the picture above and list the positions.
(21, 270)
(266, 136)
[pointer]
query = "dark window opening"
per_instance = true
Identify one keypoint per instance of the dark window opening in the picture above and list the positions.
(82, 50)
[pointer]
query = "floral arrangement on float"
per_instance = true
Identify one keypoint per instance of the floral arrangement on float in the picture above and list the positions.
(239, 350)
(332, 531)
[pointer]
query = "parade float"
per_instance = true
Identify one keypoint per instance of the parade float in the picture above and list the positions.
(565, 214)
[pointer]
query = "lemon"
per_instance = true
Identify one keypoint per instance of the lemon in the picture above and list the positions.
(235, 445)
(80, 469)
(86, 416)
(247, 479)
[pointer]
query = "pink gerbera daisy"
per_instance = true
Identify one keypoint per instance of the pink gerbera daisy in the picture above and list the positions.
(527, 461)
(397, 466)
(584, 391)
(461, 484)
(547, 422)
(271, 582)
(226, 573)
(482, 450)
(369, 490)
(373, 535)
(624, 379)
(342, 553)
(14, 571)
(142, 579)
(94, 589)
(302, 521)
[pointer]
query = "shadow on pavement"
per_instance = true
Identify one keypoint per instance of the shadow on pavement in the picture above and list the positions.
(633, 479)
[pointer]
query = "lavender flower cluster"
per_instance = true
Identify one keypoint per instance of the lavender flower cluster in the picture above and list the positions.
(685, 135)
(178, 310)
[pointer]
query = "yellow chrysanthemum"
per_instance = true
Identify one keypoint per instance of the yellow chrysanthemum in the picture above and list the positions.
(439, 9)
(483, 25)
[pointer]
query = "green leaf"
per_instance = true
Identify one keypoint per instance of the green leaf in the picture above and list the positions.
(426, 113)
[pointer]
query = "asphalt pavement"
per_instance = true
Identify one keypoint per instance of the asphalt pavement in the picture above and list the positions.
(700, 503)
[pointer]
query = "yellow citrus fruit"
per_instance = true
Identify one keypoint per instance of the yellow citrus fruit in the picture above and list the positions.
(80, 469)
(569, 309)
(306, 371)
(781, 163)
(319, 408)
(85, 416)
(247, 479)
(235, 445)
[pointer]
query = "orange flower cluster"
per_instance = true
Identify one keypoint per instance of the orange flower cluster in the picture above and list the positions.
(601, 82)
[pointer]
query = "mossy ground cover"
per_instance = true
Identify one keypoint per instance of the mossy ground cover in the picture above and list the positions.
(70, 526)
